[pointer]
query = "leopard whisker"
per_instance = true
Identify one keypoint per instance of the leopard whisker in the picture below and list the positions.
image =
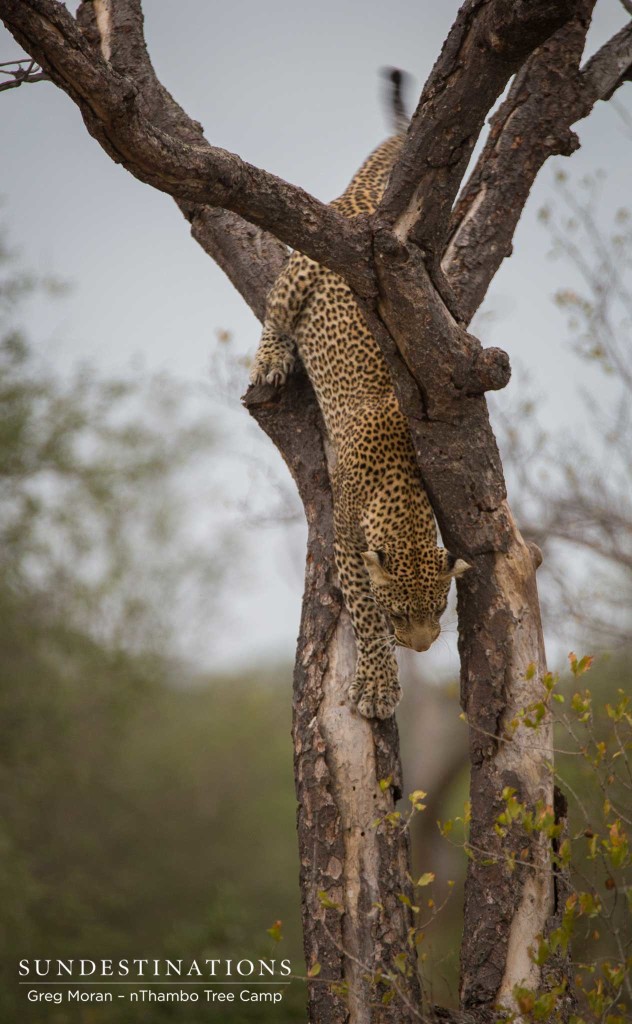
(386, 641)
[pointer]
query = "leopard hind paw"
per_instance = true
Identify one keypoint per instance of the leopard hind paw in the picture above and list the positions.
(274, 360)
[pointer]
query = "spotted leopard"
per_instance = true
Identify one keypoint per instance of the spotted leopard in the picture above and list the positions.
(394, 578)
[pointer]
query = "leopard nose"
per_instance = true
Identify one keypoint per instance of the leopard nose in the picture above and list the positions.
(422, 637)
(421, 645)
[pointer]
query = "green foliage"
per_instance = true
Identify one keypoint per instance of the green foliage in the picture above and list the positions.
(131, 811)
(593, 741)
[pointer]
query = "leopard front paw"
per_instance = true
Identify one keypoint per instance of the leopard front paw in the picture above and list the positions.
(380, 701)
(272, 365)
(375, 689)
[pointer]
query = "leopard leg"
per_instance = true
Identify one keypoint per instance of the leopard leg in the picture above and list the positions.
(276, 353)
(275, 358)
(375, 689)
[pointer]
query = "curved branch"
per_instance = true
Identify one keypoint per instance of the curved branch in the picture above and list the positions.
(114, 111)
(534, 122)
(486, 45)
(250, 257)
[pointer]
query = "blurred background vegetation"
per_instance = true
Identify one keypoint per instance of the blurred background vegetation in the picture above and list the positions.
(143, 806)
(148, 806)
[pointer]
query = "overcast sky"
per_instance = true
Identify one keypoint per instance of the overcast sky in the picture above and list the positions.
(293, 88)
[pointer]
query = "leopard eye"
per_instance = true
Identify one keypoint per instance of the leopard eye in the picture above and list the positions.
(398, 617)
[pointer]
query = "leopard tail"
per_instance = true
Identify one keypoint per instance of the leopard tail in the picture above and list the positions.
(397, 108)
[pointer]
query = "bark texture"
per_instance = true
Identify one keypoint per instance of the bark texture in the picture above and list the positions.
(420, 268)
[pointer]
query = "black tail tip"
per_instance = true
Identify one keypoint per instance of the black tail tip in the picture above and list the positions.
(397, 109)
(395, 76)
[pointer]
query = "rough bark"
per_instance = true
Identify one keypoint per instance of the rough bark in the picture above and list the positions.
(440, 374)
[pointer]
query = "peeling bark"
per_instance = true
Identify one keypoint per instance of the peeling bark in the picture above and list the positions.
(506, 909)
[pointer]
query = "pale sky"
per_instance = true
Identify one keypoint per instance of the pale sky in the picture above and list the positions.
(293, 88)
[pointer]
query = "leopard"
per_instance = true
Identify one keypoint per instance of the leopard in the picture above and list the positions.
(394, 577)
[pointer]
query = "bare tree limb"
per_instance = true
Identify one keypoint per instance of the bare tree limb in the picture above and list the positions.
(609, 67)
(461, 469)
(250, 257)
(19, 75)
(548, 96)
(486, 45)
(113, 110)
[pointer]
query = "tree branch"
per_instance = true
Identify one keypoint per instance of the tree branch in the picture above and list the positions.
(18, 75)
(486, 45)
(250, 257)
(114, 112)
(547, 97)
(608, 68)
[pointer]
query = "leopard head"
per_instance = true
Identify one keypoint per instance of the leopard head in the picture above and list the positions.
(413, 597)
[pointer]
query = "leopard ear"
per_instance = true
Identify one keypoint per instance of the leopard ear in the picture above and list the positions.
(457, 566)
(453, 567)
(374, 561)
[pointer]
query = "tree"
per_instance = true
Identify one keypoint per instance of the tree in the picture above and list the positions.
(420, 267)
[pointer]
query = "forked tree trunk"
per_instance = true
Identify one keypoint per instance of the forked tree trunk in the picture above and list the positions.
(419, 269)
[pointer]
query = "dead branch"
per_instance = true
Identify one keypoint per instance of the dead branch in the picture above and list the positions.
(548, 96)
(20, 72)
(486, 45)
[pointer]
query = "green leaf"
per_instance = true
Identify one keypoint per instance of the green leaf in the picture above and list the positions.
(275, 931)
(416, 798)
(328, 903)
(426, 878)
